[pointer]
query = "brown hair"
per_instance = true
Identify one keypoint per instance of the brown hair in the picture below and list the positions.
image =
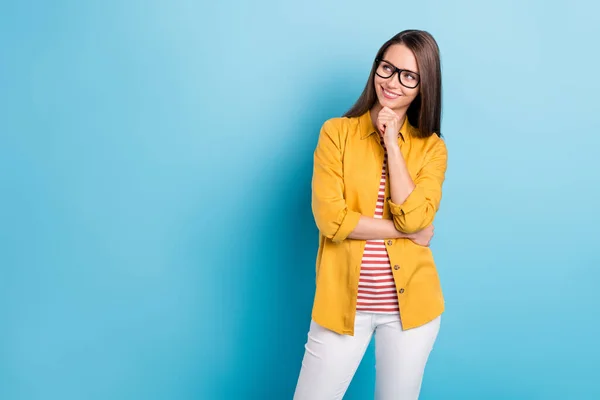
(426, 109)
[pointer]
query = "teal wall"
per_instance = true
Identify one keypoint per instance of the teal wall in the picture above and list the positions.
(156, 238)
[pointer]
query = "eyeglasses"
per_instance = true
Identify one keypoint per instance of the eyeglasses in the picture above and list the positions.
(407, 78)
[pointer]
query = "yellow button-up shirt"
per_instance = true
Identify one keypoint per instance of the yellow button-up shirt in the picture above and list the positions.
(347, 172)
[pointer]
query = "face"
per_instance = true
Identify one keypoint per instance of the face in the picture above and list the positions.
(390, 92)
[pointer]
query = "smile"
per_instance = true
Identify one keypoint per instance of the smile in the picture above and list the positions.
(389, 95)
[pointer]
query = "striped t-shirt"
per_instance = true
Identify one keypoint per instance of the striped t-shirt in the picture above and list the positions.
(376, 288)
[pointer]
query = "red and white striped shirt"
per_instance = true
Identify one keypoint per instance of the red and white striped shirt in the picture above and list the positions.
(376, 288)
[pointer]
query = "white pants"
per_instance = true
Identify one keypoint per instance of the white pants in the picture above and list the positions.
(331, 359)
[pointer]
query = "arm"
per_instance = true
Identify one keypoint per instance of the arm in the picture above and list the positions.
(401, 184)
(371, 229)
(414, 204)
(332, 215)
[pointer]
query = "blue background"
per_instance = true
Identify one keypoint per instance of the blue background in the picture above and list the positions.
(156, 237)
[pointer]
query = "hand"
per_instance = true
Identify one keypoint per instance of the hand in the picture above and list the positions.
(388, 123)
(423, 237)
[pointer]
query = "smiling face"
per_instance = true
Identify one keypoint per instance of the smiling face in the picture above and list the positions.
(390, 92)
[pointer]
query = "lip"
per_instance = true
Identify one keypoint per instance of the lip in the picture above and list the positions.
(383, 91)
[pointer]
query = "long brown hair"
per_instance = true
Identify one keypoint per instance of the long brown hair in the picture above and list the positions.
(426, 109)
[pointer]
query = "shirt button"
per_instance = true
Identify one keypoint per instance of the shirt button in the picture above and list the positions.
(389, 242)
(396, 267)
(401, 291)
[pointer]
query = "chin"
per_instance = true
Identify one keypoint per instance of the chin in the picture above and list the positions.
(388, 103)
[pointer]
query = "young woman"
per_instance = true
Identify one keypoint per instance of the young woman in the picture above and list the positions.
(377, 184)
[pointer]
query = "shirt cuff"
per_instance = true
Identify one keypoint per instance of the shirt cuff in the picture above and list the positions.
(414, 200)
(347, 226)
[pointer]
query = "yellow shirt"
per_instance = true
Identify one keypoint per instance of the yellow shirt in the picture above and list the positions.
(347, 171)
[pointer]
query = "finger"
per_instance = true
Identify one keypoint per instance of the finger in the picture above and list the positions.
(389, 120)
(387, 114)
(386, 111)
(389, 111)
(386, 121)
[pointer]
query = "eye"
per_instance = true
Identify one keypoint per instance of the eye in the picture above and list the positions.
(410, 76)
(387, 67)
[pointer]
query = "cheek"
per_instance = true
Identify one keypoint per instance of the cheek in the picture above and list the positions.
(378, 82)
(411, 93)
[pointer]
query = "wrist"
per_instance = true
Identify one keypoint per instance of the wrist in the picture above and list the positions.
(405, 235)
(396, 234)
(391, 144)
(393, 233)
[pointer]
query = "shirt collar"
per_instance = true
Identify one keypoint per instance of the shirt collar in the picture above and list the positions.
(367, 129)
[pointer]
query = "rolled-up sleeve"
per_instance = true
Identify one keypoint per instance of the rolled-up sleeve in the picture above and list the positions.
(332, 216)
(419, 209)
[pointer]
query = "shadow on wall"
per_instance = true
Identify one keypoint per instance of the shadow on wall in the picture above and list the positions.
(276, 317)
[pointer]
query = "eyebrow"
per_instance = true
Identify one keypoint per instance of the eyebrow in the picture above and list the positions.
(402, 69)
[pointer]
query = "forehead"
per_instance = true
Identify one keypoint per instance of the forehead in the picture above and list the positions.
(402, 57)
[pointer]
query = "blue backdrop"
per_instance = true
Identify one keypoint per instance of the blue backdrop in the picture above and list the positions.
(157, 240)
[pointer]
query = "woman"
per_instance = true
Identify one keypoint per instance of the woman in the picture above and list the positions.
(377, 184)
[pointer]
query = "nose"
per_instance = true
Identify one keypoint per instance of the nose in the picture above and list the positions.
(393, 82)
